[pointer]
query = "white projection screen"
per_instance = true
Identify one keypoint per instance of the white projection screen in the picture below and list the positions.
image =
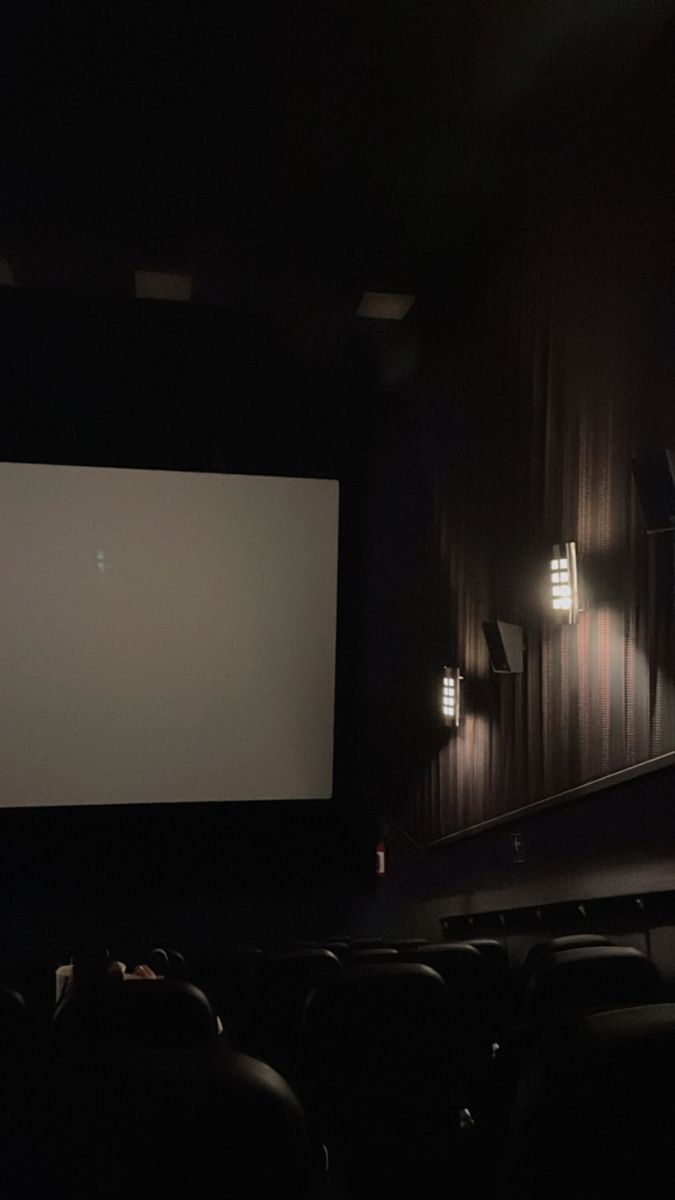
(166, 636)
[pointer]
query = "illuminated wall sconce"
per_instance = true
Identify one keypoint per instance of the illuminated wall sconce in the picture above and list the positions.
(451, 694)
(564, 589)
(505, 644)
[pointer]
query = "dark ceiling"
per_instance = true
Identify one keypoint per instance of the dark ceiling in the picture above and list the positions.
(294, 153)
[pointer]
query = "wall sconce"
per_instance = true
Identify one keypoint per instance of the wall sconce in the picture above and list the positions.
(505, 644)
(450, 706)
(564, 589)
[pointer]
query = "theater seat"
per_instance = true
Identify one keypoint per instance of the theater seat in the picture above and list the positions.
(593, 977)
(471, 1010)
(497, 959)
(17, 1030)
(494, 953)
(170, 964)
(569, 941)
(592, 1108)
(379, 1078)
(157, 1123)
(280, 985)
(540, 950)
(33, 979)
(364, 956)
(225, 976)
(135, 1014)
(339, 948)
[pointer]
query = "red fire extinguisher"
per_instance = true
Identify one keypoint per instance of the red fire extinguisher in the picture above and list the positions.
(380, 859)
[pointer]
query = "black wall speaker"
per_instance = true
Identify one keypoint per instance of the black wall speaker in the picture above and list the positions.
(654, 476)
(505, 643)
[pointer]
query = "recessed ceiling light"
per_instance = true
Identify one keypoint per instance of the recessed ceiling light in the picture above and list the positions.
(384, 306)
(6, 274)
(159, 285)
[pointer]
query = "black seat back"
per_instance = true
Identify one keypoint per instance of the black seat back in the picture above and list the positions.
(225, 976)
(379, 1072)
(592, 977)
(365, 956)
(496, 957)
(592, 1107)
(17, 1029)
(280, 985)
(541, 950)
(165, 1123)
(471, 1000)
(135, 1014)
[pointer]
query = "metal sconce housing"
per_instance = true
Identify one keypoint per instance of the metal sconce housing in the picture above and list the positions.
(450, 698)
(564, 584)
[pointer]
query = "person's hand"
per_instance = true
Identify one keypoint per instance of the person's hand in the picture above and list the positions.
(143, 971)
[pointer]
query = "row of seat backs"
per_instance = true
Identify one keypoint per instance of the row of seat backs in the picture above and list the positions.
(593, 977)
(565, 973)
(379, 1059)
(364, 1040)
(373, 1036)
(591, 1109)
(268, 992)
(378, 1063)
(144, 1014)
(262, 997)
(263, 1013)
(379, 1071)
(159, 1122)
(34, 981)
(225, 971)
(234, 977)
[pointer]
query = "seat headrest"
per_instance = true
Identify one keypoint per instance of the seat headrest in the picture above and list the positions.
(137, 1013)
(593, 977)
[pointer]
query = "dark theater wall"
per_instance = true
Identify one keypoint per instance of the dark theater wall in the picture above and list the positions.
(517, 433)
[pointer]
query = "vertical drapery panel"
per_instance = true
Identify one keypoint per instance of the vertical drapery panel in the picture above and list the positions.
(522, 425)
